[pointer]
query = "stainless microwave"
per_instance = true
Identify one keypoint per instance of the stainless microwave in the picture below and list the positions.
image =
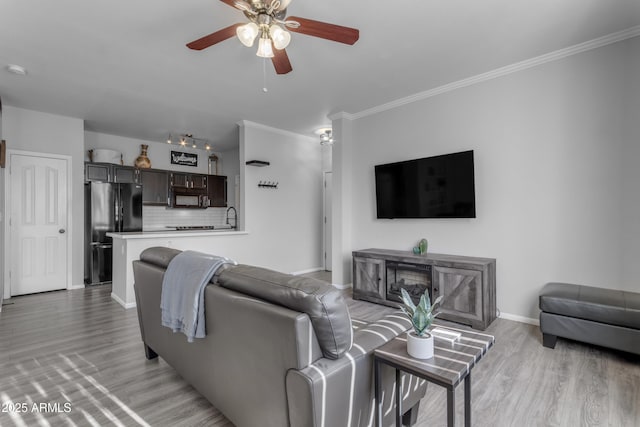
(188, 198)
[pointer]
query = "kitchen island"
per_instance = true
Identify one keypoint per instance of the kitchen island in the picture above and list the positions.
(128, 246)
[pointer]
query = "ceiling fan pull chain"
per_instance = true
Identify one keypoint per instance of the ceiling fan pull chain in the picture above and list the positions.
(264, 75)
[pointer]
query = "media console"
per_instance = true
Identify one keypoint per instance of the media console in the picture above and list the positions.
(468, 284)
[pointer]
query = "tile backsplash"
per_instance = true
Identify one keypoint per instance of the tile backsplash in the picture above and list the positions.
(156, 217)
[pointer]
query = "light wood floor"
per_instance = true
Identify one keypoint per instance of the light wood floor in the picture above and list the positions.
(82, 348)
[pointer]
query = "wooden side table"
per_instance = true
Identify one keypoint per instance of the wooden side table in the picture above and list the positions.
(451, 364)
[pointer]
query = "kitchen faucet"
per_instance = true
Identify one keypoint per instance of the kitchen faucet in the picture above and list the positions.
(235, 216)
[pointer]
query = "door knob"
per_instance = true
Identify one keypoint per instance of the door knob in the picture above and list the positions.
(62, 231)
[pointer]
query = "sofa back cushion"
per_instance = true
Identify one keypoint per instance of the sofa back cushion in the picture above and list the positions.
(159, 255)
(323, 303)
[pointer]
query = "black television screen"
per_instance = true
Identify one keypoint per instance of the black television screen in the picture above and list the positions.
(432, 187)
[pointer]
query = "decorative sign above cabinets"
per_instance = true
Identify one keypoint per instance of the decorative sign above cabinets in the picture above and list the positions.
(185, 159)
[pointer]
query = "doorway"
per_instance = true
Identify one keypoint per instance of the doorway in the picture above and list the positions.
(327, 224)
(38, 223)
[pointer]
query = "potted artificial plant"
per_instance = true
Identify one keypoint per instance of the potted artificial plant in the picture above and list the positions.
(419, 340)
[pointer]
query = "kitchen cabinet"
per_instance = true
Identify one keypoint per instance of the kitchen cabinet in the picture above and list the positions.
(179, 180)
(217, 191)
(155, 187)
(126, 174)
(188, 180)
(156, 183)
(109, 172)
(98, 172)
(199, 181)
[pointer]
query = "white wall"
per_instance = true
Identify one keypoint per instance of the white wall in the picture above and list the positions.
(327, 152)
(556, 183)
(630, 221)
(2, 238)
(230, 166)
(47, 133)
(284, 224)
(158, 152)
(342, 162)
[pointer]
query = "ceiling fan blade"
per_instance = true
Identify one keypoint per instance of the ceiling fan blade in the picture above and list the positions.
(213, 38)
(323, 30)
(281, 62)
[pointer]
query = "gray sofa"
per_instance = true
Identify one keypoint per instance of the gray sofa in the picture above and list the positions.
(605, 317)
(280, 350)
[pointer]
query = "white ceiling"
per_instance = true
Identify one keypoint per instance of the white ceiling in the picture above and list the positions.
(122, 65)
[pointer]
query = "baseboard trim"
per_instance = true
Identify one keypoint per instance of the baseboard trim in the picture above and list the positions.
(342, 287)
(72, 287)
(126, 306)
(521, 319)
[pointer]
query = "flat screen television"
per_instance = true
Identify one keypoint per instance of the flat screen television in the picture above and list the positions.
(431, 187)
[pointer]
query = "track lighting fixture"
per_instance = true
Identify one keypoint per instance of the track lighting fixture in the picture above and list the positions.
(189, 139)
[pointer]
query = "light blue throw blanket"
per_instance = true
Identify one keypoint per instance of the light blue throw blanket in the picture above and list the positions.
(182, 299)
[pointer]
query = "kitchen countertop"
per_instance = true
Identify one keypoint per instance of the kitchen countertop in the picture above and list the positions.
(127, 247)
(160, 233)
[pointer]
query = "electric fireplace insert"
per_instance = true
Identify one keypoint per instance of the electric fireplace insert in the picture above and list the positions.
(414, 278)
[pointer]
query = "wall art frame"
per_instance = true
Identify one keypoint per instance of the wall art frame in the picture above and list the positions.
(184, 159)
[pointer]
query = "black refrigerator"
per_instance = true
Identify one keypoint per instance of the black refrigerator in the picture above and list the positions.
(108, 207)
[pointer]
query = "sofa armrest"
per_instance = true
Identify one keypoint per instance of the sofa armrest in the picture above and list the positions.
(341, 392)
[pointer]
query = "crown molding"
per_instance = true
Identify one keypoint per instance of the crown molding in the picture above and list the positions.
(498, 72)
(260, 126)
(341, 115)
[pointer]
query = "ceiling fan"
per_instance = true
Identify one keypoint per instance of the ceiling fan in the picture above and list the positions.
(266, 21)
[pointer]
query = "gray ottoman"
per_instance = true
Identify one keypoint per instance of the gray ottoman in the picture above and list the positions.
(605, 317)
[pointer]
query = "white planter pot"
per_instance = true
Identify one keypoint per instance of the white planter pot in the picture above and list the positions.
(103, 155)
(419, 347)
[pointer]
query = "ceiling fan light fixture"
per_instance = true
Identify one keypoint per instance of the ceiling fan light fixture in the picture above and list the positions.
(17, 70)
(263, 16)
(326, 138)
(283, 4)
(280, 37)
(247, 33)
(264, 47)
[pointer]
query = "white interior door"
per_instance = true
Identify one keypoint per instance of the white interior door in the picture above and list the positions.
(38, 224)
(327, 220)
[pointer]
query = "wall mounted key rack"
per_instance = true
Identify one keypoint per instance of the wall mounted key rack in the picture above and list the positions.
(268, 184)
